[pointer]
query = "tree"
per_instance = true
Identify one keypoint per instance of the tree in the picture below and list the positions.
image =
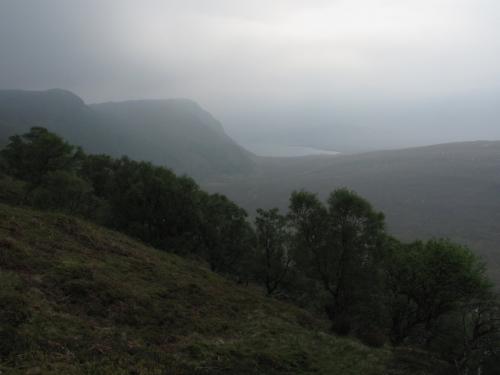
(100, 170)
(339, 245)
(428, 280)
(355, 241)
(309, 222)
(66, 191)
(273, 240)
(31, 156)
(479, 330)
(225, 234)
(153, 204)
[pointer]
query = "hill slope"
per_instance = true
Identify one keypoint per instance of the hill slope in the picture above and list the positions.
(79, 299)
(176, 133)
(448, 190)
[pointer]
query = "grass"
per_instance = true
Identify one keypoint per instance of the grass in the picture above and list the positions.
(79, 299)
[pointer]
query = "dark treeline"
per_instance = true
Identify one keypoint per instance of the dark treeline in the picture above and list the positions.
(334, 258)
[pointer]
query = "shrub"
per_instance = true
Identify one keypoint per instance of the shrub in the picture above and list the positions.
(372, 336)
(342, 325)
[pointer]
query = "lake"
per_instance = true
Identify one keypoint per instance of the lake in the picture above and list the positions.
(279, 150)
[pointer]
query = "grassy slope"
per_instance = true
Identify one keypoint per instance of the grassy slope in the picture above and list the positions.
(96, 302)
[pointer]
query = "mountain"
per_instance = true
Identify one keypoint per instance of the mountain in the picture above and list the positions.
(448, 190)
(176, 133)
(79, 299)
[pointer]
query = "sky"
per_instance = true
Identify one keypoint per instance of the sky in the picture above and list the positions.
(399, 72)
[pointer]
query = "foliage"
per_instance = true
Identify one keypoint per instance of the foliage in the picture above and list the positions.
(145, 201)
(64, 190)
(151, 203)
(309, 221)
(273, 248)
(427, 281)
(339, 245)
(225, 234)
(470, 337)
(31, 156)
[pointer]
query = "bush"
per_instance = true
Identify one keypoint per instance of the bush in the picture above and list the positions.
(342, 325)
(66, 191)
(11, 190)
(372, 336)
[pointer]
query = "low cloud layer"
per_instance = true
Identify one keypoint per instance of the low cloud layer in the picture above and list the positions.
(429, 69)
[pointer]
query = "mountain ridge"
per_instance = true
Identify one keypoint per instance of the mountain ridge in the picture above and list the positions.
(177, 133)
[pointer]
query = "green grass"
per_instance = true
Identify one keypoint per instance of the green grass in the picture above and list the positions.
(79, 299)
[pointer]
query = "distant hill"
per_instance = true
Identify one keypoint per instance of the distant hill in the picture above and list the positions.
(176, 133)
(79, 299)
(448, 190)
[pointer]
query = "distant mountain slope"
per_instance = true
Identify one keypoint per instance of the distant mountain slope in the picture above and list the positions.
(176, 133)
(449, 190)
(79, 299)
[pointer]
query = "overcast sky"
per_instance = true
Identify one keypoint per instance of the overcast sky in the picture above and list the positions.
(406, 64)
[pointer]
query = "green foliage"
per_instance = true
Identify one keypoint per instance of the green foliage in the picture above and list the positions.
(428, 295)
(309, 220)
(151, 203)
(99, 170)
(226, 236)
(470, 336)
(340, 246)
(66, 191)
(11, 190)
(429, 280)
(349, 263)
(145, 201)
(31, 156)
(372, 336)
(273, 248)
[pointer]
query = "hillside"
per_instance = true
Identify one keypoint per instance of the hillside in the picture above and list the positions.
(448, 190)
(85, 300)
(176, 133)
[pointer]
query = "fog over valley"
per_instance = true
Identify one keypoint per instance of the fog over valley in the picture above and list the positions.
(343, 75)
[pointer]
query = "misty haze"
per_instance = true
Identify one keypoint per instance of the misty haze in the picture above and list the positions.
(250, 187)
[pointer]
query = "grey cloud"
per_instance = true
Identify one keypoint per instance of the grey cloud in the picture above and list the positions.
(380, 64)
